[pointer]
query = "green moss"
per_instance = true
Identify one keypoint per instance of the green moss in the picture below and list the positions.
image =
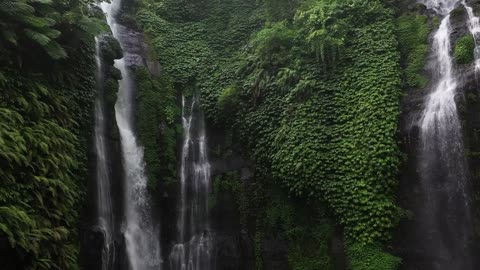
(156, 115)
(413, 31)
(464, 50)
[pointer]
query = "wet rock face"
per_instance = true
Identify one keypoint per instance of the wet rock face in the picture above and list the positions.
(109, 49)
(234, 251)
(458, 20)
(94, 238)
(133, 46)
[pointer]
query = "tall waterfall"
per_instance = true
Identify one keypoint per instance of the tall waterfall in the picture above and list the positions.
(443, 220)
(103, 181)
(141, 236)
(194, 247)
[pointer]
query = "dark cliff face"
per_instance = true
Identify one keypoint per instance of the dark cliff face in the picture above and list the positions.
(410, 246)
(92, 237)
(233, 244)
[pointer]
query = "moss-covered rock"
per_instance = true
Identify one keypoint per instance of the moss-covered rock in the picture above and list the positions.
(412, 32)
(464, 50)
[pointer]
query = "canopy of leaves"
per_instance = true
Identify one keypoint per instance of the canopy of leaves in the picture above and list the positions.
(45, 23)
(45, 119)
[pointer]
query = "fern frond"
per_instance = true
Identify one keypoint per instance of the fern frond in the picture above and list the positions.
(13, 8)
(33, 21)
(55, 50)
(52, 33)
(37, 37)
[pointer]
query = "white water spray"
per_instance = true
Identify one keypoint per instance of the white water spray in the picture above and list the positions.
(443, 218)
(141, 236)
(194, 248)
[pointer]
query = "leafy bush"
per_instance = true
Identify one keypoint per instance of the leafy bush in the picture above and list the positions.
(228, 100)
(464, 50)
(370, 257)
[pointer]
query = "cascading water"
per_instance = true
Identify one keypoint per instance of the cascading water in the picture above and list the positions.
(443, 228)
(141, 236)
(104, 199)
(194, 247)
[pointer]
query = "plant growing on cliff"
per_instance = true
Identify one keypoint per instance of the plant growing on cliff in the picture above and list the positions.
(413, 31)
(464, 50)
(43, 22)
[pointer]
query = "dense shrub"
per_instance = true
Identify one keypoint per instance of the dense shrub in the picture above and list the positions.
(464, 50)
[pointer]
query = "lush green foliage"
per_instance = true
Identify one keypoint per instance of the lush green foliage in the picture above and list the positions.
(156, 115)
(316, 95)
(413, 30)
(324, 27)
(279, 10)
(332, 136)
(46, 118)
(187, 43)
(370, 257)
(44, 23)
(43, 167)
(464, 48)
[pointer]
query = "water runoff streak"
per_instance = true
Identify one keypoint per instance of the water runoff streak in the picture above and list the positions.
(141, 237)
(104, 198)
(444, 225)
(194, 247)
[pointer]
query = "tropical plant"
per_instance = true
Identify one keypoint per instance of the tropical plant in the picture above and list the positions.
(43, 22)
(323, 28)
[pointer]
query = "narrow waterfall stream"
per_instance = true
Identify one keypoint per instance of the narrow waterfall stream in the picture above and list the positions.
(443, 221)
(103, 181)
(194, 247)
(141, 236)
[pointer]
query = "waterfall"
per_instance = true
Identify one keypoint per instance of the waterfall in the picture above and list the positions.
(443, 221)
(474, 27)
(194, 247)
(104, 199)
(141, 236)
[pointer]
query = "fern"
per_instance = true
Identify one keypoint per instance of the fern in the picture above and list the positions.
(55, 50)
(37, 37)
(14, 8)
(42, 22)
